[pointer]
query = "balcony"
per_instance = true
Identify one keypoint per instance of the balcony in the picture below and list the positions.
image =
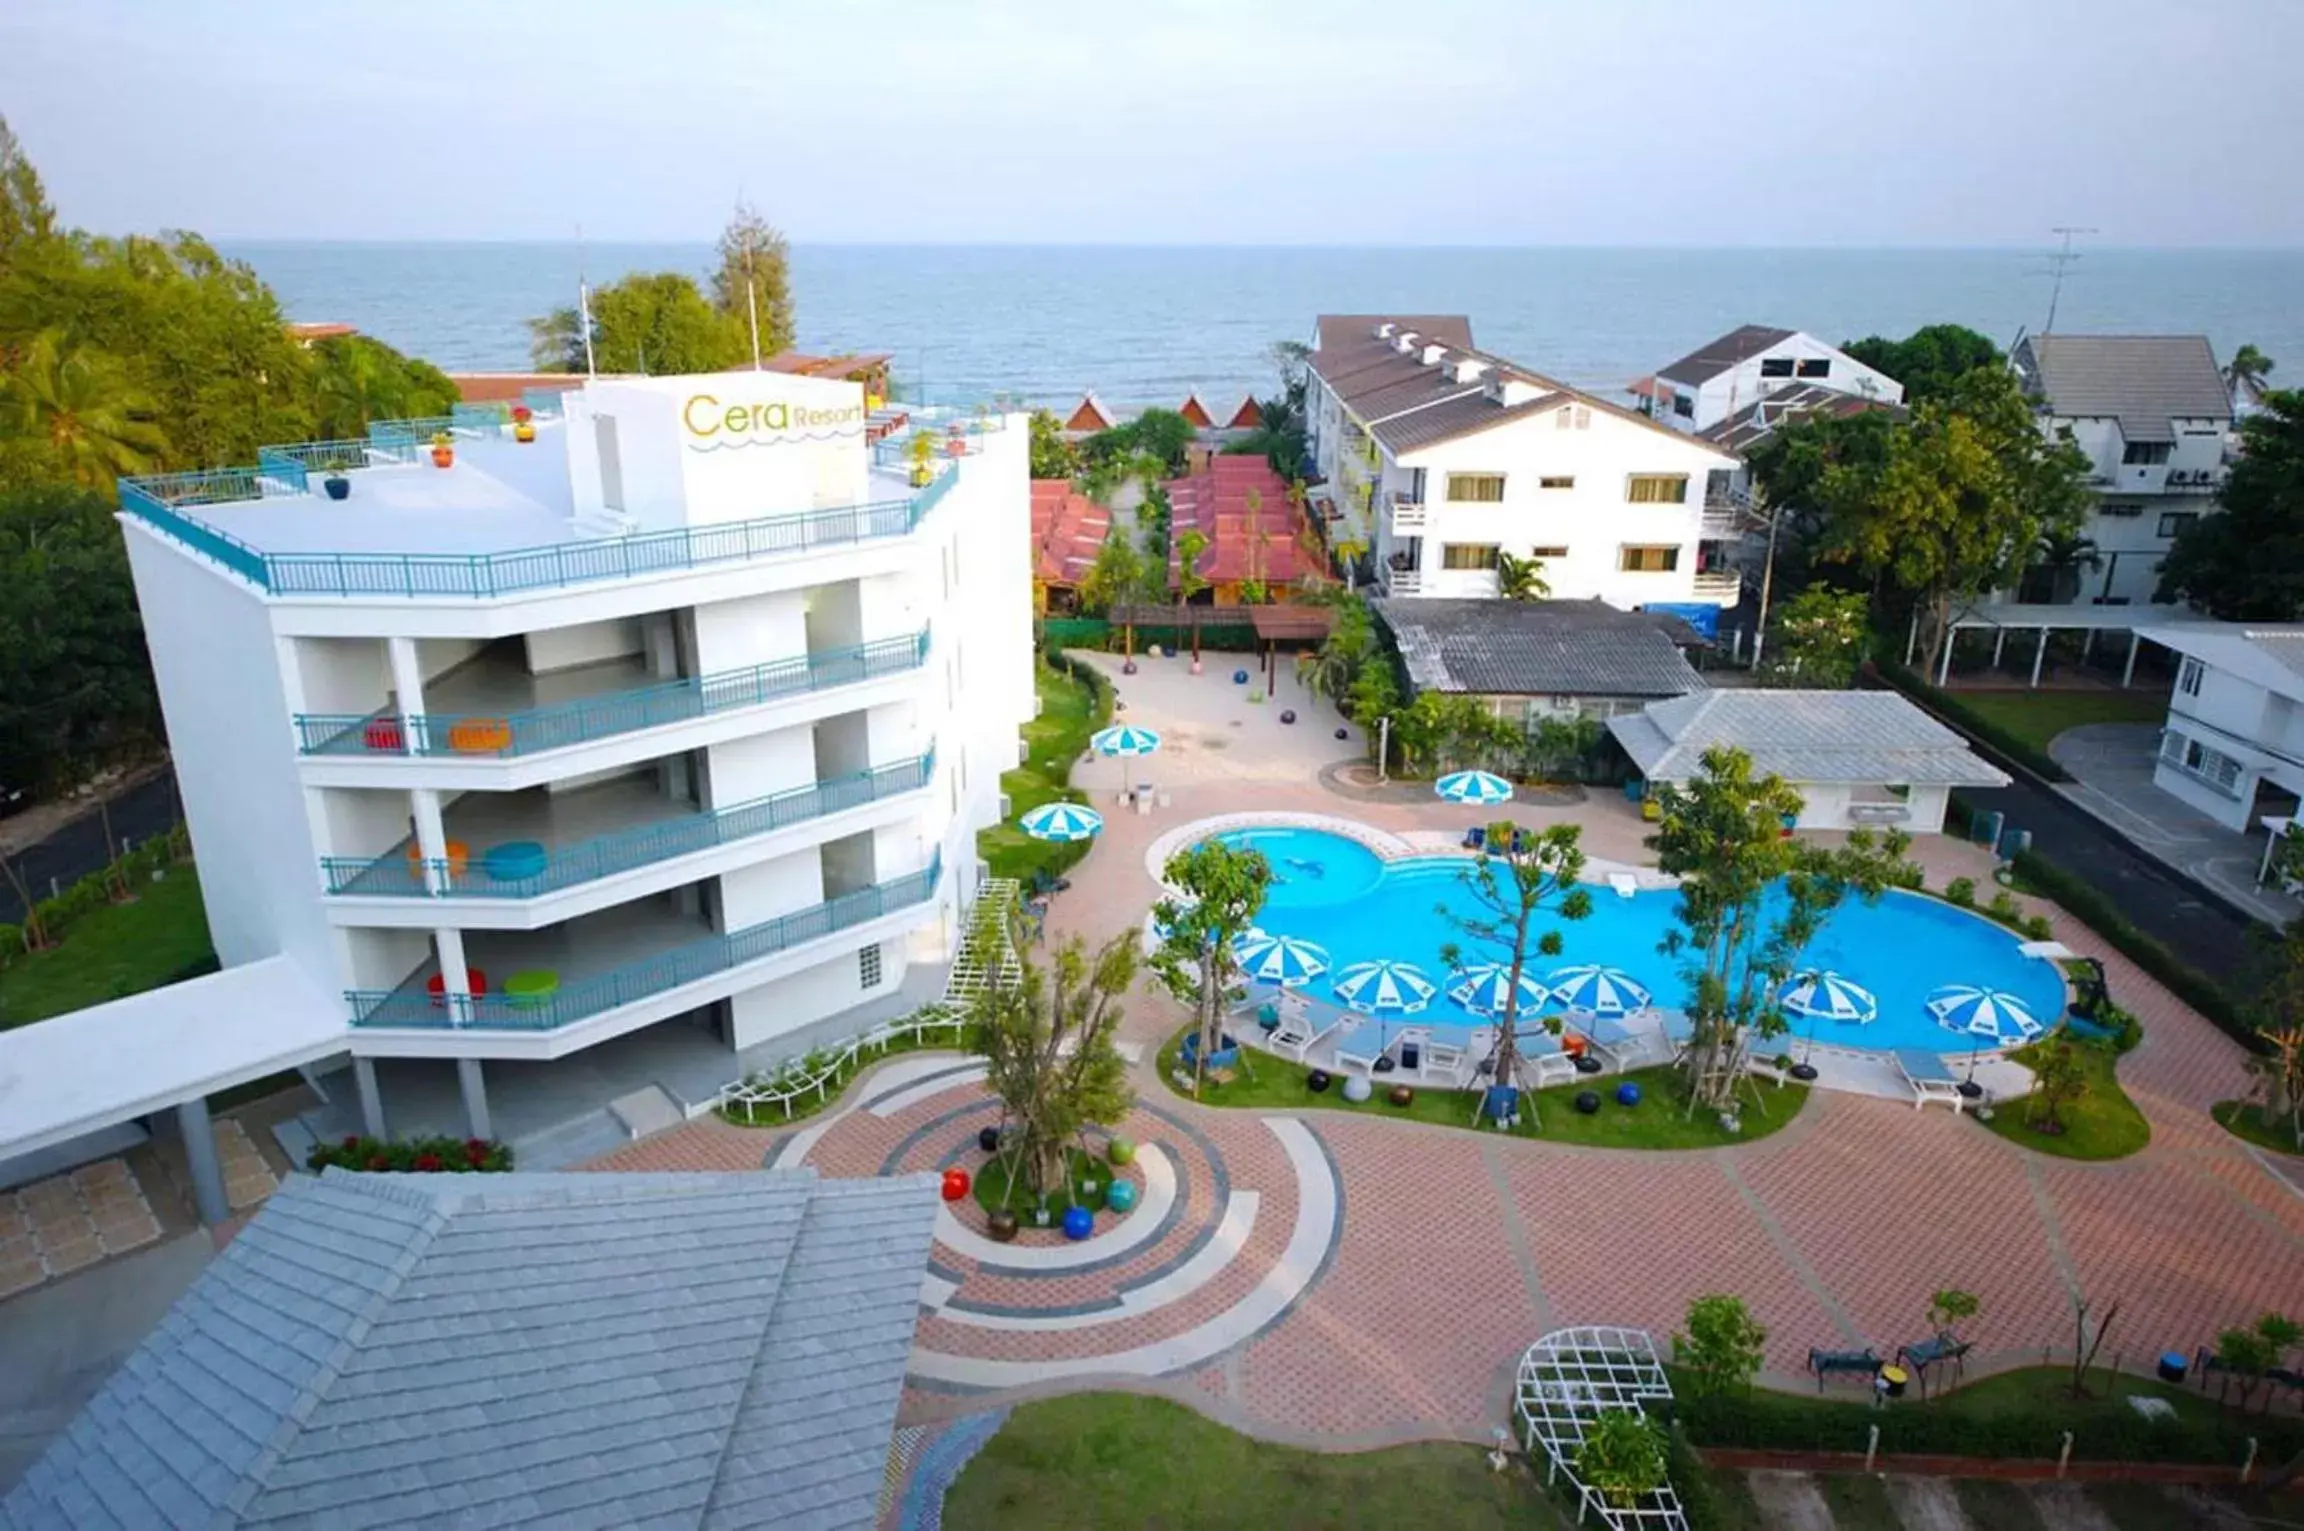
(1403, 582)
(1720, 587)
(1408, 516)
(505, 734)
(529, 862)
(671, 959)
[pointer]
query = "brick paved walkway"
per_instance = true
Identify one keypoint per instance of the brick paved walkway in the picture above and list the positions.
(1456, 1249)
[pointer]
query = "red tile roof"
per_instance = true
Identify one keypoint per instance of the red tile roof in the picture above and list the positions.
(1067, 530)
(498, 387)
(307, 332)
(1090, 415)
(1247, 417)
(1196, 412)
(1265, 543)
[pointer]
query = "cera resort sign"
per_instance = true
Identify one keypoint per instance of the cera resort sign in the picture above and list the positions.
(712, 425)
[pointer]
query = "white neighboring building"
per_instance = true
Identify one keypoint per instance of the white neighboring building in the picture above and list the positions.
(1749, 363)
(1438, 457)
(2233, 745)
(684, 714)
(2151, 414)
(1858, 758)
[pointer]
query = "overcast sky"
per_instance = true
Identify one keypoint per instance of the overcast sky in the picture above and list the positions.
(1613, 122)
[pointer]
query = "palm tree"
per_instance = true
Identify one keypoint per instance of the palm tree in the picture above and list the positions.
(2247, 369)
(1521, 579)
(82, 407)
(355, 388)
(2061, 554)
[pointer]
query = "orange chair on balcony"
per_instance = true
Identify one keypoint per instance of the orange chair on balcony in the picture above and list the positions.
(479, 736)
(459, 857)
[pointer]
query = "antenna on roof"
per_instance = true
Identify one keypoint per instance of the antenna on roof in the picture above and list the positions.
(584, 304)
(2059, 261)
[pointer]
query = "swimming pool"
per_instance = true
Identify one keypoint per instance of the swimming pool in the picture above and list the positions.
(1339, 893)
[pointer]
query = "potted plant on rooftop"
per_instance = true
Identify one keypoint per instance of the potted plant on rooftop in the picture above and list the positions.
(443, 449)
(523, 423)
(337, 485)
(921, 452)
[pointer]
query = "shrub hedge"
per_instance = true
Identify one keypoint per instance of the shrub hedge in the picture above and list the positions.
(428, 1156)
(91, 893)
(2081, 899)
(1997, 741)
(2103, 1429)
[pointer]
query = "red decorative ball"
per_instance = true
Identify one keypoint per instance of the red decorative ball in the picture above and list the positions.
(955, 1185)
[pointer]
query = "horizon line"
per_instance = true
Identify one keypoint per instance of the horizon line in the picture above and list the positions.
(1998, 248)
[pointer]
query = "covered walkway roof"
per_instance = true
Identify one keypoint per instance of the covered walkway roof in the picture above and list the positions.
(79, 1073)
(2042, 618)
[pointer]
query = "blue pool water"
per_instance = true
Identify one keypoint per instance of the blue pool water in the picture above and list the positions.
(1337, 892)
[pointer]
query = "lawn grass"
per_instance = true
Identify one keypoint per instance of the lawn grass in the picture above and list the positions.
(2037, 717)
(1660, 1120)
(117, 950)
(2245, 1121)
(1997, 1503)
(991, 1185)
(1121, 1462)
(2102, 1124)
(1053, 741)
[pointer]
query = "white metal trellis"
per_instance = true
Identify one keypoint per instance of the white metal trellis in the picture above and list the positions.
(1569, 1378)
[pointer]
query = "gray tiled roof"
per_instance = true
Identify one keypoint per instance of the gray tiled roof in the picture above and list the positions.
(1331, 330)
(2144, 381)
(1711, 359)
(1458, 416)
(1539, 648)
(563, 1350)
(1811, 736)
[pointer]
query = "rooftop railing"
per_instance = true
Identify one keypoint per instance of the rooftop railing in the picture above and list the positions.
(404, 875)
(635, 981)
(504, 735)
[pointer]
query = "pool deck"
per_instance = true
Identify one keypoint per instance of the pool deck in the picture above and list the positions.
(1344, 1281)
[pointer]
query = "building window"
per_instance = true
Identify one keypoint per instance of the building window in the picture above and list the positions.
(2146, 453)
(2122, 509)
(1776, 366)
(868, 966)
(2195, 759)
(1558, 552)
(1684, 405)
(1657, 489)
(1816, 366)
(2188, 678)
(2175, 521)
(1468, 555)
(1476, 488)
(1648, 560)
(1557, 481)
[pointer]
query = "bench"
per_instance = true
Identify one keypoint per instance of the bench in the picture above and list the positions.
(1943, 1348)
(1861, 1363)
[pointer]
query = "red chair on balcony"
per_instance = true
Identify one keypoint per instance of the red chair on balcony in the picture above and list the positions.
(437, 986)
(385, 734)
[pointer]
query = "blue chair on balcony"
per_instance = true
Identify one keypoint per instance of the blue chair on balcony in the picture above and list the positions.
(515, 861)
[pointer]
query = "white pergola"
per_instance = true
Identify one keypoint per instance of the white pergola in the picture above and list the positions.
(1570, 1378)
(2041, 620)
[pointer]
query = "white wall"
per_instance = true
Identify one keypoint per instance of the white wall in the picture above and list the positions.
(343, 675)
(1738, 388)
(735, 635)
(2133, 501)
(792, 1003)
(754, 767)
(565, 648)
(227, 688)
(767, 889)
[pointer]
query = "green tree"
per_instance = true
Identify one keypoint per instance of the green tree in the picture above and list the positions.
(1521, 579)
(2059, 1077)
(657, 323)
(1153, 442)
(1751, 901)
(1721, 1351)
(357, 380)
(1052, 456)
(75, 685)
(1517, 875)
(2059, 559)
(1116, 575)
(1329, 670)
(1968, 490)
(1817, 640)
(1219, 892)
(752, 287)
(26, 219)
(1562, 747)
(1189, 547)
(2247, 1355)
(1048, 1055)
(2248, 367)
(1622, 1457)
(78, 411)
(2247, 564)
(1929, 361)
(1789, 469)
(1951, 1307)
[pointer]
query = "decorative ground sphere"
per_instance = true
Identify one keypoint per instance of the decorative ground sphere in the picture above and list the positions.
(1628, 1094)
(1120, 1196)
(1287, 714)
(1357, 1088)
(1239, 677)
(1078, 1223)
(1001, 1226)
(1402, 1095)
(1343, 733)
(955, 1184)
(988, 1140)
(1317, 1080)
(1587, 1101)
(1120, 1151)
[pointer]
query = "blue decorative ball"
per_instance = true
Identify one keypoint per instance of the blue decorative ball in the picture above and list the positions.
(1078, 1223)
(1239, 677)
(1120, 1195)
(1627, 1094)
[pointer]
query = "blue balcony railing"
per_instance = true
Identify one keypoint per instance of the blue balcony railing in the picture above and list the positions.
(634, 981)
(504, 735)
(543, 403)
(402, 875)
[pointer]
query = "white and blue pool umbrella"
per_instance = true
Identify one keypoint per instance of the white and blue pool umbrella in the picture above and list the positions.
(1474, 787)
(1484, 987)
(1993, 1014)
(1385, 988)
(1125, 739)
(1062, 822)
(1282, 960)
(1599, 990)
(1829, 997)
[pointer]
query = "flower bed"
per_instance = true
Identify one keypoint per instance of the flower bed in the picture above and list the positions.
(421, 1156)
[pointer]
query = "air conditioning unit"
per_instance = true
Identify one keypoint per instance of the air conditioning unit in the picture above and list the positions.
(1006, 808)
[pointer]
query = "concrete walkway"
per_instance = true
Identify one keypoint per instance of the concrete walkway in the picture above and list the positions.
(2113, 763)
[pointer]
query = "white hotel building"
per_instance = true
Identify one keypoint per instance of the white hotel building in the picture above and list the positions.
(1439, 457)
(683, 714)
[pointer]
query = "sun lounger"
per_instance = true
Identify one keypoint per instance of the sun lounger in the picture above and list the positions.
(1851, 1362)
(1297, 1034)
(1434, 1060)
(1624, 883)
(1926, 1076)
